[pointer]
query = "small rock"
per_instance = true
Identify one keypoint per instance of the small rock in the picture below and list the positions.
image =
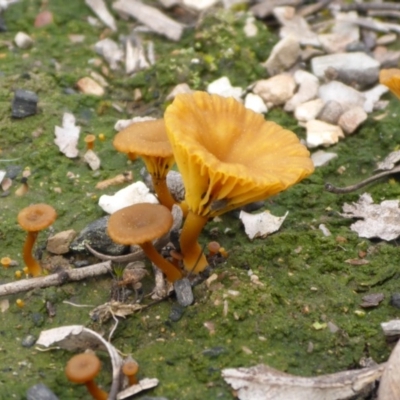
(346, 96)
(23, 40)
(95, 234)
(275, 91)
(372, 97)
(395, 300)
(174, 183)
(386, 39)
(43, 18)
(92, 159)
(295, 25)
(89, 86)
(60, 242)
(179, 89)
(330, 112)
(250, 28)
(199, 5)
(81, 263)
(214, 352)
(256, 103)
(223, 87)
(308, 110)
(183, 292)
(321, 158)
(372, 300)
(332, 327)
(320, 133)
(40, 392)
(28, 341)
(359, 66)
(176, 313)
(308, 89)
(387, 58)
(24, 103)
(111, 51)
(283, 56)
(351, 119)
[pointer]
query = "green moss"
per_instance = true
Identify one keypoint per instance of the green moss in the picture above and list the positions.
(305, 278)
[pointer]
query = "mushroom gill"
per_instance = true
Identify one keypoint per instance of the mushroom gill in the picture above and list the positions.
(228, 156)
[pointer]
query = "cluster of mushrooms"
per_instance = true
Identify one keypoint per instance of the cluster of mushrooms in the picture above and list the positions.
(228, 156)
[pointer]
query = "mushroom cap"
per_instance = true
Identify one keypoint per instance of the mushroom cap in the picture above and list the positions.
(147, 138)
(391, 78)
(230, 156)
(36, 217)
(139, 223)
(82, 368)
(130, 368)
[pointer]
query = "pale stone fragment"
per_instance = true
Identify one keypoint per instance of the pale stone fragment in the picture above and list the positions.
(59, 243)
(89, 86)
(179, 89)
(23, 40)
(321, 158)
(320, 133)
(283, 56)
(124, 123)
(358, 61)
(223, 87)
(275, 91)
(345, 95)
(199, 5)
(138, 192)
(92, 159)
(255, 103)
(308, 110)
(67, 136)
(351, 119)
(111, 51)
(372, 97)
(307, 89)
(100, 9)
(250, 28)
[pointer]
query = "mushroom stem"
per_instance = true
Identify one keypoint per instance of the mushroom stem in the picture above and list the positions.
(33, 266)
(193, 257)
(163, 193)
(95, 391)
(172, 273)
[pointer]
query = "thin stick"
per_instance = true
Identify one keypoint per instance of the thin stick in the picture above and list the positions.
(333, 189)
(363, 7)
(55, 279)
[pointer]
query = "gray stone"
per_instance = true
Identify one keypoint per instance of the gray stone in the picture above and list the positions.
(40, 392)
(28, 341)
(357, 61)
(283, 56)
(183, 292)
(308, 110)
(321, 158)
(275, 91)
(308, 86)
(350, 120)
(330, 112)
(95, 234)
(346, 96)
(24, 103)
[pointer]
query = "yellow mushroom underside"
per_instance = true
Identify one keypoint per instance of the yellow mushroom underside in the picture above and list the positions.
(230, 156)
(391, 78)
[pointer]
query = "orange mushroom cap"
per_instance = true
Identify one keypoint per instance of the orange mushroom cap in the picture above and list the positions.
(36, 217)
(82, 368)
(391, 78)
(139, 223)
(149, 140)
(229, 155)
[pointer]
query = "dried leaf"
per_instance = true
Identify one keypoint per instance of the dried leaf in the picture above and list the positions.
(261, 224)
(380, 220)
(389, 162)
(265, 383)
(143, 384)
(356, 261)
(104, 312)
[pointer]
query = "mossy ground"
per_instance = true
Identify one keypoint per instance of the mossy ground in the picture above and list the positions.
(305, 276)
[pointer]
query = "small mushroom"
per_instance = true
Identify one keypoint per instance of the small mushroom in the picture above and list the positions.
(34, 219)
(130, 370)
(83, 368)
(140, 224)
(228, 156)
(149, 140)
(391, 78)
(89, 140)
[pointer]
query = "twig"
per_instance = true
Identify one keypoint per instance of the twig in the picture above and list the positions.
(333, 189)
(114, 327)
(364, 7)
(55, 279)
(314, 8)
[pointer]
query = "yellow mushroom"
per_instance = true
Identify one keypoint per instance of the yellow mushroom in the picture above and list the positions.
(391, 78)
(228, 156)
